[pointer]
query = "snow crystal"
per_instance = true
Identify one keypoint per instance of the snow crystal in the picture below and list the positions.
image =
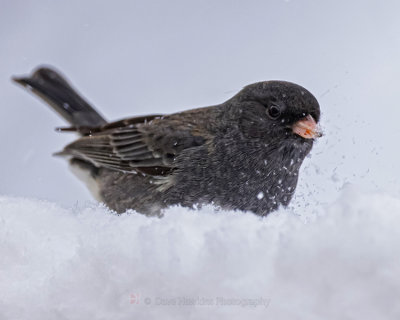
(87, 263)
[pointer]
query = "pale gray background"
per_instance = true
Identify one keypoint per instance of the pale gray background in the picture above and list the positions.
(138, 57)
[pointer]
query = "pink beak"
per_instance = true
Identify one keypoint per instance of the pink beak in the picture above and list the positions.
(307, 128)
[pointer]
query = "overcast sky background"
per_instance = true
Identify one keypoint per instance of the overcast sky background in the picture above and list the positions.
(136, 57)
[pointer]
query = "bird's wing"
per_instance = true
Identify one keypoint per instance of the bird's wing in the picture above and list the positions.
(150, 147)
(87, 130)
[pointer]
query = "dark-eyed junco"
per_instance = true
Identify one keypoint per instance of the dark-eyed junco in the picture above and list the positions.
(243, 154)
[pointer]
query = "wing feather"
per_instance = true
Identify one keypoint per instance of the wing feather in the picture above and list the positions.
(150, 147)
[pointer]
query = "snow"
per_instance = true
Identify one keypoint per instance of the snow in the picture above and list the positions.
(337, 261)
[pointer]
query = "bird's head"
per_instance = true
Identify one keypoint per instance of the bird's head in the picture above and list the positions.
(273, 109)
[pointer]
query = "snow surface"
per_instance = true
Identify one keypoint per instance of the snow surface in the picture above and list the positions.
(88, 263)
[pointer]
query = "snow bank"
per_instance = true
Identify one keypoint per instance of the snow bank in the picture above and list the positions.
(87, 263)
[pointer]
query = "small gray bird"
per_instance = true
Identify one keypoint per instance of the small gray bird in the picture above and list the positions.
(243, 154)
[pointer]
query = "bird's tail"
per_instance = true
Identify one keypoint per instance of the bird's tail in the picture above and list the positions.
(50, 86)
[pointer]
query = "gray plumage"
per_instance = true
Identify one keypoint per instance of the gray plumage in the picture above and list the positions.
(240, 155)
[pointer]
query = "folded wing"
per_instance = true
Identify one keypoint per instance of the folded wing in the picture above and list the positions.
(149, 147)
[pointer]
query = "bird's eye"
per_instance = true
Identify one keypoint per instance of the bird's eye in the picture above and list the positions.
(274, 112)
